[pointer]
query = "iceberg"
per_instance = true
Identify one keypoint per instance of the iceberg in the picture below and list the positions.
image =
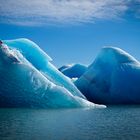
(30, 82)
(41, 61)
(113, 78)
(74, 70)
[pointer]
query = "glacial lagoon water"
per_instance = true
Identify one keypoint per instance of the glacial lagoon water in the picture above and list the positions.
(112, 123)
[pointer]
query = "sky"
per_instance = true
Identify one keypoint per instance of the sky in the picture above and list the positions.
(73, 31)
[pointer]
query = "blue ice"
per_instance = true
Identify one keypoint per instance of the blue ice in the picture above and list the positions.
(74, 70)
(113, 78)
(28, 79)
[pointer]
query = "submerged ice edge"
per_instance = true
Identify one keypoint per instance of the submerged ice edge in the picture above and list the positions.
(28, 87)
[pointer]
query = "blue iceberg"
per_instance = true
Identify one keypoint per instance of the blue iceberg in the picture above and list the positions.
(113, 78)
(28, 79)
(41, 61)
(74, 70)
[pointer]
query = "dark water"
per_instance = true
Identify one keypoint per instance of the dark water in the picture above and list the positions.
(113, 123)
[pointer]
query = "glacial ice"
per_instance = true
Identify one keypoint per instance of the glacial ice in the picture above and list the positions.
(74, 70)
(33, 81)
(41, 61)
(113, 78)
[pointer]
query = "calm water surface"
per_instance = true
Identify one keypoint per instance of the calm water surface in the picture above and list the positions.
(112, 123)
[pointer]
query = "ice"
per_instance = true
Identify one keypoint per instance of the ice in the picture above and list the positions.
(74, 70)
(113, 78)
(23, 85)
(41, 61)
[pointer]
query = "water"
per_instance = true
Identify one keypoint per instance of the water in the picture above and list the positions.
(112, 123)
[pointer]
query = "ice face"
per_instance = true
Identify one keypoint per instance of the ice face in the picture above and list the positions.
(113, 78)
(23, 85)
(41, 61)
(73, 71)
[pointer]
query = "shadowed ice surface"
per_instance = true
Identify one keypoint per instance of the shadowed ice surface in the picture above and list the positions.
(73, 70)
(113, 78)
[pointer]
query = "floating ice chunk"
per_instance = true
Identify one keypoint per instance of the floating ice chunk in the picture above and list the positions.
(40, 60)
(22, 85)
(74, 70)
(113, 78)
